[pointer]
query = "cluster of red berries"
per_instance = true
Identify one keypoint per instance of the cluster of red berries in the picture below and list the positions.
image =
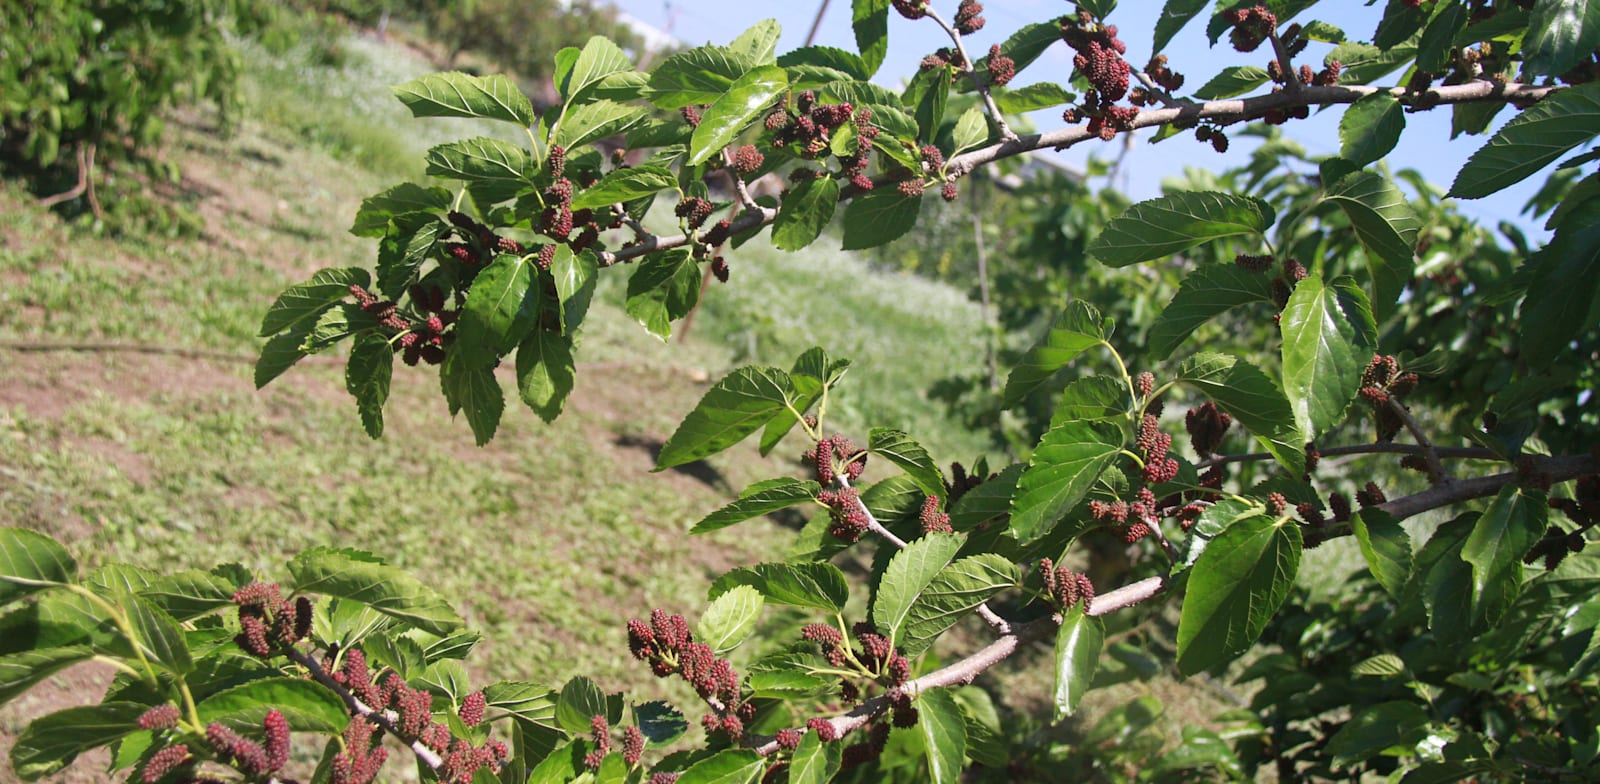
(1144, 513)
(558, 220)
(1207, 132)
(424, 340)
(694, 211)
(809, 130)
(1206, 425)
(267, 620)
(1162, 74)
(933, 520)
(363, 754)
(1001, 68)
(249, 757)
(1251, 26)
(849, 520)
(666, 643)
(600, 736)
(165, 761)
(748, 160)
(1381, 383)
(479, 244)
(1153, 446)
(878, 656)
(968, 20)
(911, 9)
(833, 456)
(1099, 55)
(941, 58)
(1583, 508)
(1064, 588)
(1371, 495)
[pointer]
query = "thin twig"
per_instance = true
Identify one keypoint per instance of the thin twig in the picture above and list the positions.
(1386, 447)
(381, 718)
(977, 81)
(1291, 80)
(1158, 92)
(1436, 471)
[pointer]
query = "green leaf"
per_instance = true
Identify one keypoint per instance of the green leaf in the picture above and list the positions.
(848, 63)
(1384, 665)
(659, 722)
(52, 742)
(1561, 34)
(1174, 223)
(30, 562)
(1078, 329)
(735, 407)
(879, 217)
(1370, 128)
(869, 19)
(1078, 645)
(1509, 528)
(730, 619)
(402, 253)
(335, 324)
(905, 452)
(1385, 546)
(804, 213)
(956, 591)
(1253, 399)
(1092, 399)
(408, 204)
(303, 303)
(1398, 725)
(562, 765)
(815, 762)
(1530, 141)
(598, 59)
(1205, 293)
(1235, 587)
(1020, 100)
(1175, 15)
(545, 372)
(20, 671)
(597, 120)
(366, 377)
(730, 766)
(926, 96)
(759, 499)
(474, 391)
(581, 700)
(358, 577)
(944, 734)
(745, 101)
(455, 94)
(1433, 48)
(529, 702)
(757, 45)
(1065, 465)
(698, 75)
(909, 573)
(309, 706)
(493, 170)
(1563, 291)
(624, 185)
(1365, 63)
(575, 277)
(972, 130)
(1233, 81)
(1386, 227)
(664, 288)
(157, 635)
(1321, 364)
(816, 584)
(279, 354)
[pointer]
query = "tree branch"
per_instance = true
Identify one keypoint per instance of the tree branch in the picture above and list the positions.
(1221, 112)
(977, 81)
(1430, 454)
(358, 708)
(1385, 447)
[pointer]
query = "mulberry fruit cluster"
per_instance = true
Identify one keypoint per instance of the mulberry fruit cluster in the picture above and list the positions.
(1582, 509)
(809, 130)
(748, 160)
(933, 520)
(835, 456)
(1001, 68)
(694, 211)
(967, 19)
(1154, 446)
(267, 621)
(1206, 425)
(1099, 55)
(1064, 588)
(1251, 26)
(666, 643)
(911, 9)
(1383, 383)
(849, 519)
(362, 756)
(250, 757)
(165, 761)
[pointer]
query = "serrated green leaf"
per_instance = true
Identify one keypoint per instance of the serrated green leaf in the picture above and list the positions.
(664, 288)
(957, 590)
(595, 121)
(1385, 546)
(493, 170)
(624, 185)
(730, 618)
(759, 499)
(280, 353)
(1438, 37)
(581, 700)
(1253, 399)
(408, 204)
(304, 302)
(308, 706)
(731, 766)
(909, 573)
(745, 101)
(366, 377)
(1170, 224)
(402, 253)
(473, 390)
(972, 130)
(1235, 588)
(1370, 128)
(1078, 644)
(1205, 293)
(546, 372)
(1033, 97)
(1504, 533)
(902, 450)
(735, 407)
(659, 722)
(813, 372)
(1078, 329)
(944, 735)
(455, 94)
(1065, 465)
(986, 502)
(52, 742)
(869, 19)
(31, 562)
(926, 96)
(698, 75)
(1322, 366)
(879, 217)
(20, 671)
(1092, 399)
(832, 58)
(804, 213)
(1563, 291)
(335, 324)
(529, 702)
(1387, 228)
(818, 584)
(1384, 665)
(1530, 141)
(1175, 14)
(1561, 35)
(598, 59)
(815, 762)
(1232, 81)
(390, 590)
(159, 638)
(575, 277)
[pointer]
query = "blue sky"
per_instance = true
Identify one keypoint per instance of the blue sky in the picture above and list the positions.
(1426, 147)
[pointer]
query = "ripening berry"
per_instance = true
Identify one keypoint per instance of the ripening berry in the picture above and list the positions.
(163, 762)
(933, 520)
(1219, 142)
(1340, 505)
(968, 20)
(275, 732)
(245, 754)
(1276, 503)
(824, 729)
(252, 636)
(632, 745)
(558, 160)
(472, 708)
(911, 188)
(748, 159)
(788, 738)
(899, 669)
(948, 191)
(719, 268)
(911, 9)
(1001, 68)
(1253, 263)
(160, 717)
(691, 115)
(1311, 514)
